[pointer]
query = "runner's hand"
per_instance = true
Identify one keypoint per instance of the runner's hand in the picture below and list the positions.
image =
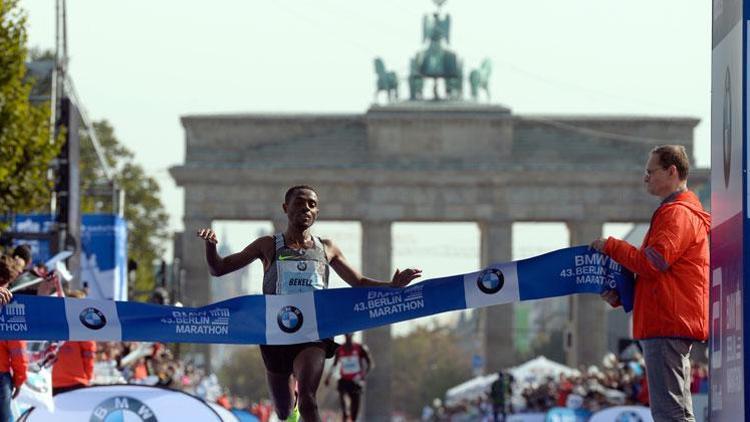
(403, 278)
(5, 295)
(208, 235)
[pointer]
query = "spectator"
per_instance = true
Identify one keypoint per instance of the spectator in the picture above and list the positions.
(74, 367)
(13, 361)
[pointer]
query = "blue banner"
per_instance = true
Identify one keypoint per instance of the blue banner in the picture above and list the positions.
(104, 242)
(290, 319)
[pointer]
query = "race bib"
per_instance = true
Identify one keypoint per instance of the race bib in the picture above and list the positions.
(298, 277)
(350, 365)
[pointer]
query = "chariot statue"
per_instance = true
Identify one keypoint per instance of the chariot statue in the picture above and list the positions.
(436, 61)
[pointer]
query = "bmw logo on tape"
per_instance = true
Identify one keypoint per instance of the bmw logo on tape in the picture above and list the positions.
(290, 319)
(490, 281)
(92, 318)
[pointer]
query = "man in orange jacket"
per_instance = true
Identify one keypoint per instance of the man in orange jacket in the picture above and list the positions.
(74, 367)
(13, 361)
(671, 286)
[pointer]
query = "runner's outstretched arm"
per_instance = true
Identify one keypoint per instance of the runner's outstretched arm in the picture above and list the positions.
(219, 266)
(355, 279)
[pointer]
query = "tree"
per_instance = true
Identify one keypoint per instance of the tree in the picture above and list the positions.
(26, 148)
(144, 211)
(426, 363)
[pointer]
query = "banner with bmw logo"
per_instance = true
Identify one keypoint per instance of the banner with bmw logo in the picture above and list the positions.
(296, 318)
(124, 403)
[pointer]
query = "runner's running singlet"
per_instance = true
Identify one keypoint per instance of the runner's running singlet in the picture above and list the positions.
(296, 271)
(351, 362)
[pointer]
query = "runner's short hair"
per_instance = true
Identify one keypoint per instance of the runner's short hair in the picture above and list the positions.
(290, 192)
(673, 155)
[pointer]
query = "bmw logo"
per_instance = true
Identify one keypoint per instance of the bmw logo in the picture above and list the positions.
(726, 134)
(628, 416)
(490, 281)
(302, 265)
(122, 409)
(290, 319)
(92, 318)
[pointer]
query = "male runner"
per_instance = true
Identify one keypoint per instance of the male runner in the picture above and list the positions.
(294, 262)
(355, 364)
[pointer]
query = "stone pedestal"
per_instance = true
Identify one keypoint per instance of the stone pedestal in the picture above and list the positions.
(411, 129)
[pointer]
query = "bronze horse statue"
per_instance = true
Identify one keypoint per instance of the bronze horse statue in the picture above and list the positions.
(387, 81)
(480, 78)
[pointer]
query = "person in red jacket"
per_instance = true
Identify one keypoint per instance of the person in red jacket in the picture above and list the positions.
(13, 361)
(74, 367)
(355, 365)
(671, 286)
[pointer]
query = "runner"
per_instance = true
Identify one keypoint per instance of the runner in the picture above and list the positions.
(294, 262)
(355, 364)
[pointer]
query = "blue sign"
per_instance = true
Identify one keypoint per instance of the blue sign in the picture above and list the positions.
(103, 251)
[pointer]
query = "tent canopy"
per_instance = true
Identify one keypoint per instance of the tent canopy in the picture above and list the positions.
(532, 371)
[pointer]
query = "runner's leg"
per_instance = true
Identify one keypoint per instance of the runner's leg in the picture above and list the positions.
(281, 386)
(308, 369)
(342, 398)
(354, 406)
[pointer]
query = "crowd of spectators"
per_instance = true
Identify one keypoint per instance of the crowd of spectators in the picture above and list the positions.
(614, 383)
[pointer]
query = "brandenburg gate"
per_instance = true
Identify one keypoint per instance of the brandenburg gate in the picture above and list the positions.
(428, 160)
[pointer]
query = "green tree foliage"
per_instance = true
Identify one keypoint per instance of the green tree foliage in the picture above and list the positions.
(147, 220)
(426, 363)
(244, 374)
(25, 148)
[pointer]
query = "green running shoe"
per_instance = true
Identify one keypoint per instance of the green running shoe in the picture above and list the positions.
(294, 416)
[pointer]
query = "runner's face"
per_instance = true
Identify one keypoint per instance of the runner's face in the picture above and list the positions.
(302, 208)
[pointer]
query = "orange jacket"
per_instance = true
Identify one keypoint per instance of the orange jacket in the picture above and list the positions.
(13, 356)
(75, 364)
(671, 267)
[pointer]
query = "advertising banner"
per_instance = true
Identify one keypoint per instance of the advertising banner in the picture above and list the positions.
(729, 213)
(103, 251)
(125, 403)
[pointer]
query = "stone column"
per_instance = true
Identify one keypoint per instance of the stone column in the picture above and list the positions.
(376, 263)
(499, 344)
(195, 287)
(586, 337)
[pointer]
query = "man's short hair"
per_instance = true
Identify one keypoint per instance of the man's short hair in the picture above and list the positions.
(290, 192)
(673, 155)
(23, 252)
(8, 270)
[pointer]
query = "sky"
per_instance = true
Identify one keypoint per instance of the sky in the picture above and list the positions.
(143, 64)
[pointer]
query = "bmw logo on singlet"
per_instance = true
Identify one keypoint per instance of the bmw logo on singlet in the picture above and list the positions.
(490, 281)
(122, 409)
(290, 319)
(628, 416)
(302, 265)
(92, 318)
